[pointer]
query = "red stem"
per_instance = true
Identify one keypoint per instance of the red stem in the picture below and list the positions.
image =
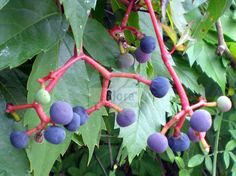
(127, 13)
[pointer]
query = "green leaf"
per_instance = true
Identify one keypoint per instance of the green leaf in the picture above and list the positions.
(96, 44)
(27, 28)
(196, 160)
(3, 3)
(13, 161)
(233, 170)
(208, 163)
(150, 112)
(180, 162)
(184, 172)
(226, 159)
(216, 123)
(230, 145)
(77, 13)
(205, 57)
(232, 48)
(233, 133)
(232, 155)
(214, 11)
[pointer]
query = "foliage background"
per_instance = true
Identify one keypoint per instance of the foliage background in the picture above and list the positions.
(35, 38)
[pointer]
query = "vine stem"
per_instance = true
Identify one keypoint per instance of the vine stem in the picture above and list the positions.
(216, 146)
(165, 57)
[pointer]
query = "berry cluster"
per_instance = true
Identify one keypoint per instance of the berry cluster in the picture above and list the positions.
(62, 115)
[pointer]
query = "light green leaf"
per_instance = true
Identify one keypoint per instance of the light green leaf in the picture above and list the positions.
(233, 133)
(13, 161)
(230, 145)
(233, 170)
(195, 160)
(226, 159)
(216, 123)
(180, 162)
(184, 172)
(208, 163)
(3, 3)
(27, 28)
(77, 13)
(96, 44)
(232, 155)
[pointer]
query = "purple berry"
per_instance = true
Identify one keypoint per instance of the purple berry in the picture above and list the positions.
(180, 143)
(126, 117)
(159, 86)
(224, 104)
(82, 113)
(74, 124)
(19, 139)
(193, 136)
(157, 142)
(148, 44)
(54, 134)
(201, 120)
(140, 56)
(125, 60)
(61, 112)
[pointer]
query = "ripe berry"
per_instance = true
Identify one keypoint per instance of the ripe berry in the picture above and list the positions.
(201, 120)
(61, 112)
(19, 139)
(148, 44)
(126, 117)
(159, 86)
(54, 134)
(157, 142)
(140, 56)
(224, 104)
(193, 136)
(43, 97)
(180, 143)
(74, 124)
(82, 113)
(125, 60)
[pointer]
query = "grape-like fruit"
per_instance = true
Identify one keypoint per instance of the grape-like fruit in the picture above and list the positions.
(193, 136)
(126, 117)
(157, 142)
(43, 97)
(180, 143)
(140, 56)
(74, 124)
(159, 86)
(54, 134)
(19, 139)
(224, 104)
(148, 44)
(61, 112)
(125, 60)
(201, 120)
(82, 113)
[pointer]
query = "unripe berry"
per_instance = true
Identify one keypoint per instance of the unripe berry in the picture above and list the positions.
(125, 60)
(126, 117)
(19, 139)
(148, 44)
(224, 104)
(61, 112)
(157, 142)
(193, 136)
(201, 120)
(54, 134)
(180, 143)
(43, 97)
(74, 124)
(159, 86)
(140, 56)
(81, 111)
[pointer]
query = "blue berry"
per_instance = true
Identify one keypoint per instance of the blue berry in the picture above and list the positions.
(54, 134)
(159, 86)
(148, 44)
(126, 117)
(125, 60)
(82, 113)
(224, 104)
(140, 56)
(19, 139)
(61, 112)
(74, 124)
(157, 142)
(201, 120)
(180, 143)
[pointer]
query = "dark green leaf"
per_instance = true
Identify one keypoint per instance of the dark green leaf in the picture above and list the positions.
(216, 123)
(196, 160)
(77, 13)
